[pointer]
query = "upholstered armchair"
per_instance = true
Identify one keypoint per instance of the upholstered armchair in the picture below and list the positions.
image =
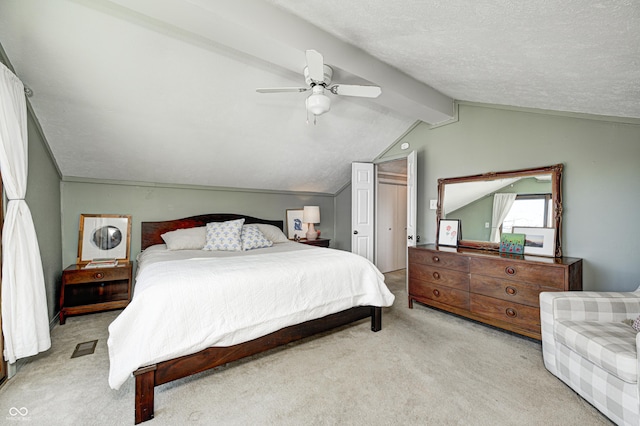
(588, 343)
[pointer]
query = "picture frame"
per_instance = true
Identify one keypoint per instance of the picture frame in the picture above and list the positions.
(538, 241)
(449, 231)
(104, 236)
(295, 226)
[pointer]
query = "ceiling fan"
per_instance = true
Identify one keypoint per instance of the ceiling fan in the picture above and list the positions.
(318, 76)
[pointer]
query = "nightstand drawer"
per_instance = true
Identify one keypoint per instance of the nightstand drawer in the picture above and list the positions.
(82, 276)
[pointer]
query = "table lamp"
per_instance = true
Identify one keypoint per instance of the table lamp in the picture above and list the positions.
(311, 215)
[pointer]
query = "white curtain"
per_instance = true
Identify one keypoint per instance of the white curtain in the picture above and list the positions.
(501, 205)
(25, 322)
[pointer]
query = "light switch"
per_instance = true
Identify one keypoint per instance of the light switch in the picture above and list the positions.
(486, 225)
(433, 204)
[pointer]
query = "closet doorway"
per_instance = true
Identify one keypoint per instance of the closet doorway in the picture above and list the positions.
(391, 215)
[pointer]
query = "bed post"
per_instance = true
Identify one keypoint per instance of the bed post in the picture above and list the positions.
(145, 382)
(376, 318)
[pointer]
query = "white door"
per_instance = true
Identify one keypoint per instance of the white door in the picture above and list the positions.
(412, 199)
(362, 225)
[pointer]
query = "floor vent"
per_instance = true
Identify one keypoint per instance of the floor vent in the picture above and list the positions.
(85, 348)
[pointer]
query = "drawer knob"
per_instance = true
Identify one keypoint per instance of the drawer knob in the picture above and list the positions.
(511, 313)
(98, 275)
(436, 259)
(436, 275)
(510, 270)
(436, 292)
(512, 291)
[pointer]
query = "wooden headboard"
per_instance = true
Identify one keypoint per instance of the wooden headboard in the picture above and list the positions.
(152, 231)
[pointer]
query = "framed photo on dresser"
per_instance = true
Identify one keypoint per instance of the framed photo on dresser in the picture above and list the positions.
(449, 231)
(538, 241)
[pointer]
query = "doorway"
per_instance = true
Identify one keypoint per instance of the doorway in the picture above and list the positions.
(391, 215)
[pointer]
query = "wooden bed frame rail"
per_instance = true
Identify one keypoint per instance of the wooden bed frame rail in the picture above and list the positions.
(147, 378)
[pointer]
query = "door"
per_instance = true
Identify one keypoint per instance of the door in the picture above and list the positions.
(362, 225)
(391, 225)
(412, 199)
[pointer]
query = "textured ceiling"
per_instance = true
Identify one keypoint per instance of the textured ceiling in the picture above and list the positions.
(565, 55)
(164, 92)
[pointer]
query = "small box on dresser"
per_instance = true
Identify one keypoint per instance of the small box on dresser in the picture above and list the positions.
(493, 288)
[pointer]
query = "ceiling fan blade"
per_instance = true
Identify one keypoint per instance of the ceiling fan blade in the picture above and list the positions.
(282, 89)
(315, 63)
(354, 90)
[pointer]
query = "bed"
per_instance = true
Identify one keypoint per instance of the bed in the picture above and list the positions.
(233, 305)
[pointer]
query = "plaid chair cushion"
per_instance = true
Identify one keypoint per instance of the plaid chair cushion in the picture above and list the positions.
(609, 345)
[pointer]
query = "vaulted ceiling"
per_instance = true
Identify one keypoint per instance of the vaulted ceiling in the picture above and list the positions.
(164, 91)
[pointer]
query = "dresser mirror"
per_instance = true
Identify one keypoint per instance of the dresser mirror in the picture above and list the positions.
(533, 197)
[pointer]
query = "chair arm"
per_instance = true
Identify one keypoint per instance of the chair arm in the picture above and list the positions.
(590, 305)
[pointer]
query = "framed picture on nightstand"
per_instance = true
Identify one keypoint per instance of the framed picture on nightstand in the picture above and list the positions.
(295, 225)
(104, 236)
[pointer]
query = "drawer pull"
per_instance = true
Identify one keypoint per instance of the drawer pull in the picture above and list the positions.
(510, 270)
(98, 275)
(511, 313)
(435, 259)
(511, 291)
(436, 292)
(436, 275)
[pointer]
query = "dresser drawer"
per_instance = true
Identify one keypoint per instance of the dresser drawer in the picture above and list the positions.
(512, 291)
(522, 316)
(442, 294)
(440, 276)
(439, 259)
(96, 275)
(542, 275)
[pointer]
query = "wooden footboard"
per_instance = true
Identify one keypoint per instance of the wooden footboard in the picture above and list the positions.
(147, 378)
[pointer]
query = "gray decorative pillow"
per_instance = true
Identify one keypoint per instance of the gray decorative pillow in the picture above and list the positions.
(224, 236)
(252, 238)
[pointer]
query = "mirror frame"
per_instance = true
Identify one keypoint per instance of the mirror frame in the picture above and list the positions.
(556, 199)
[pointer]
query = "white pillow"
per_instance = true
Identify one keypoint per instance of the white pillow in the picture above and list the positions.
(224, 236)
(272, 233)
(186, 239)
(252, 238)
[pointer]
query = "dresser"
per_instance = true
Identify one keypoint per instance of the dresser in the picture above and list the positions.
(497, 289)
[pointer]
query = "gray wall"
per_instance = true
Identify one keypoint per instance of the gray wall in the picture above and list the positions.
(43, 198)
(600, 183)
(343, 219)
(157, 202)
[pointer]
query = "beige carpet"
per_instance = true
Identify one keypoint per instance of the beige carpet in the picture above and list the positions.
(424, 367)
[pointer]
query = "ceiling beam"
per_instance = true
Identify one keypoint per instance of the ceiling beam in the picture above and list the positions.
(260, 30)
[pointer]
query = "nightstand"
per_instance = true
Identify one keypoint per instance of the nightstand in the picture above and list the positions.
(320, 242)
(94, 289)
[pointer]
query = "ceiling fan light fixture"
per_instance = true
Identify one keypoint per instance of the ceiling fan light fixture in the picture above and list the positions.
(318, 103)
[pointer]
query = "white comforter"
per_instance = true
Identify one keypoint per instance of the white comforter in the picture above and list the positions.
(183, 306)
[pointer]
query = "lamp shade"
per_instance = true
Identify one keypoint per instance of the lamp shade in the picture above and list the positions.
(311, 214)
